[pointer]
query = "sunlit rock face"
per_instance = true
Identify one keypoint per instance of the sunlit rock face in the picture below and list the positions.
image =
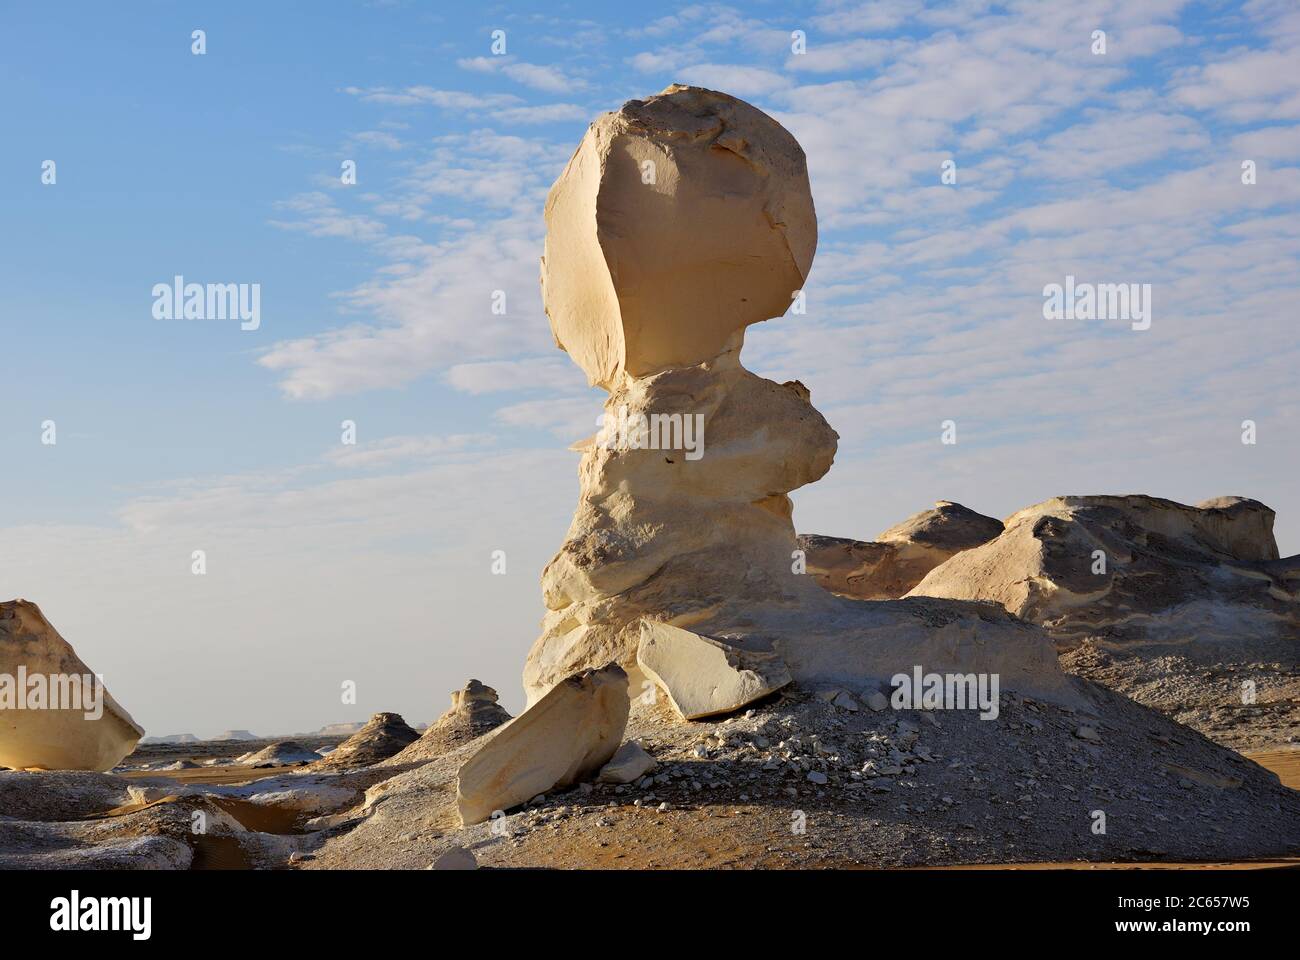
(1133, 570)
(54, 736)
(680, 220)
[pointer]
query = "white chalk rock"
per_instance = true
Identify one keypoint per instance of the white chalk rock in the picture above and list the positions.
(41, 738)
(680, 220)
(703, 677)
(631, 762)
(566, 736)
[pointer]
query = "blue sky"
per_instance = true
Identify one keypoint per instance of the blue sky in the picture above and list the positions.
(371, 562)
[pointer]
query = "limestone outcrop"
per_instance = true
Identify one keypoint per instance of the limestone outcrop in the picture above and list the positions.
(897, 560)
(1137, 569)
(384, 735)
(566, 736)
(55, 714)
(684, 516)
(1187, 609)
(60, 794)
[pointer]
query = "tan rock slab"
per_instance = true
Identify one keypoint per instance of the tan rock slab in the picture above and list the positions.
(703, 677)
(566, 736)
(46, 738)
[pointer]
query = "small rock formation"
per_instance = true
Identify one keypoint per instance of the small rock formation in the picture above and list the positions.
(36, 661)
(703, 677)
(629, 763)
(281, 754)
(566, 736)
(897, 560)
(474, 712)
(680, 220)
(1135, 569)
(383, 736)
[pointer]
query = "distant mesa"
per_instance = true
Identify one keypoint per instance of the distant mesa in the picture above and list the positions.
(340, 729)
(235, 735)
(170, 738)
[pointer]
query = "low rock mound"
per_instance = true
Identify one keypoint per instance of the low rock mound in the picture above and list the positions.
(235, 735)
(284, 753)
(897, 560)
(1131, 569)
(385, 735)
(59, 794)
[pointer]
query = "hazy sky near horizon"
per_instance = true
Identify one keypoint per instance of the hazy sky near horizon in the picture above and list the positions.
(371, 562)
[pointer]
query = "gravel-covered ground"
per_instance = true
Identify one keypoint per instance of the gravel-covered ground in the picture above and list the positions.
(1202, 695)
(799, 782)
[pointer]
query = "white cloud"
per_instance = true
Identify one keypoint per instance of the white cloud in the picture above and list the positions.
(739, 80)
(532, 373)
(390, 451)
(549, 79)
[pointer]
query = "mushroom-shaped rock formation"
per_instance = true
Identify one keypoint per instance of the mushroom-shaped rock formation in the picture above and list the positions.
(680, 220)
(48, 730)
